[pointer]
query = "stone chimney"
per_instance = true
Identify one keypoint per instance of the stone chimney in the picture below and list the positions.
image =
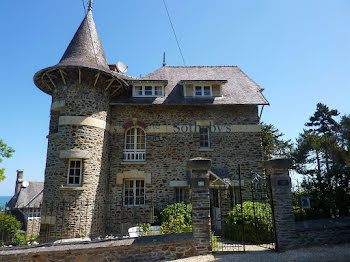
(19, 180)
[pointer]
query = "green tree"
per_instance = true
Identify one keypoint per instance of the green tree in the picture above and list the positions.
(318, 144)
(323, 126)
(322, 155)
(344, 139)
(5, 152)
(273, 143)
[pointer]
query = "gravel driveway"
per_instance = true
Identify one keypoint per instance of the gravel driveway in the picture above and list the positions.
(325, 253)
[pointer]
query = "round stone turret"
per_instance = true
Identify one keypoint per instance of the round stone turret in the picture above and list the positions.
(76, 174)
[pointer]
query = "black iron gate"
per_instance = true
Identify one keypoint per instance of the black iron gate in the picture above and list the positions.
(249, 226)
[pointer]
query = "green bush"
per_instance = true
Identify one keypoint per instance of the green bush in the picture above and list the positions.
(157, 217)
(299, 213)
(10, 230)
(214, 243)
(176, 218)
(146, 229)
(32, 240)
(19, 239)
(321, 206)
(257, 223)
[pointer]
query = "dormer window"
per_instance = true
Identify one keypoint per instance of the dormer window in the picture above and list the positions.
(148, 88)
(202, 90)
(148, 91)
(138, 91)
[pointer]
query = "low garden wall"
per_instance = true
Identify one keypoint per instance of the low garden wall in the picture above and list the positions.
(147, 248)
(322, 231)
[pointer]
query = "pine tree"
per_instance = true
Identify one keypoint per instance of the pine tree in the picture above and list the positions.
(322, 155)
(272, 142)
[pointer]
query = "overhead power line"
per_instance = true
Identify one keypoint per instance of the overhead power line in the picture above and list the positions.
(172, 26)
(84, 7)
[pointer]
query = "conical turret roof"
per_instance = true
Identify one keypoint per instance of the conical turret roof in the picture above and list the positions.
(85, 49)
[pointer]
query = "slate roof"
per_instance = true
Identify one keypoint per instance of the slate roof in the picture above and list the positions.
(115, 72)
(85, 50)
(28, 197)
(238, 90)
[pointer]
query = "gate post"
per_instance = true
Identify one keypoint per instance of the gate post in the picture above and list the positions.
(282, 202)
(200, 204)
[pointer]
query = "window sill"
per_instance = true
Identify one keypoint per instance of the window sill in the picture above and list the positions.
(72, 188)
(133, 163)
(205, 150)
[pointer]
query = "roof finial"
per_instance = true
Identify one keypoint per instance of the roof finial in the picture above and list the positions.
(164, 64)
(90, 5)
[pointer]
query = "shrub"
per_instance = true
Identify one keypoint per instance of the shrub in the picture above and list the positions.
(10, 230)
(19, 239)
(145, 229)
(175, 210)
(157, 217)
(214, 243)
(32, 240)
(299, 213)
(320, 206)
(257, 223)
(175, 225)
(176, 218)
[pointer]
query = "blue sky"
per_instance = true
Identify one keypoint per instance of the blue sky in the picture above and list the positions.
(299, 51)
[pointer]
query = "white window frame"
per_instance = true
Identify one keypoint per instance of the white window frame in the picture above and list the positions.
(143, 88)
(134, 154)
(202, 90)
(134, 192)
(33, 213)
(80, 170)
(179, 194)
(200, 136)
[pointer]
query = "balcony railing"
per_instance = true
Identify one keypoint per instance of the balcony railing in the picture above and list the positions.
(134, 155)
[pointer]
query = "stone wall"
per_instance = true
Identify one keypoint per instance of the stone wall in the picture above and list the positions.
(291, 234)
(146, 248)
(99, 202)
(69, 211)
(282, 203)
(152, 248)
(201, 223)
(33, 227)
(168, 151)
(322, 231)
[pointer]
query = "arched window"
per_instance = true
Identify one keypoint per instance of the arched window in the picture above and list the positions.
(135, 144)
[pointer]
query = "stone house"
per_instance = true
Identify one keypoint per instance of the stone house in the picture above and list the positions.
(118, 145)
(25, 204)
